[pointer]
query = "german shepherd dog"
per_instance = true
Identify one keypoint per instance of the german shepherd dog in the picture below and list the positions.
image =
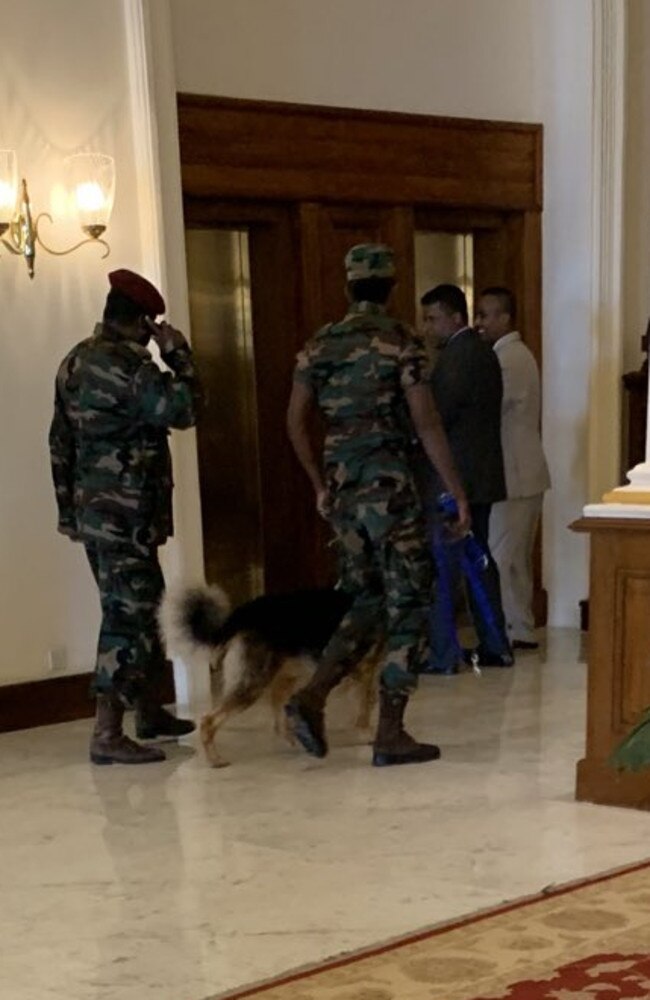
(269, 644)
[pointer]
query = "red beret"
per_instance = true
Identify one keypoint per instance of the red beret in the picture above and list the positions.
(139, 290)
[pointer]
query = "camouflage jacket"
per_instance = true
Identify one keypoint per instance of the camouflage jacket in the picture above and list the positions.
(110, 457)
(358, 370)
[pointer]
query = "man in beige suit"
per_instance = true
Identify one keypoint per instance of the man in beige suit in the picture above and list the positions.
(514, 521)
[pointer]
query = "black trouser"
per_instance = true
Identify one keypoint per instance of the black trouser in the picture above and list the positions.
(480, 513)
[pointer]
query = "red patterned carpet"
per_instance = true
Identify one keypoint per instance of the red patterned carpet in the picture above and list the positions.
(588, 941)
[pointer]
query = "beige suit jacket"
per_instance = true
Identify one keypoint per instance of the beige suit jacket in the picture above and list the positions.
(523, 456)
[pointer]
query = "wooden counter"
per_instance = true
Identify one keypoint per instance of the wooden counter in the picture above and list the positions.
(618, 656)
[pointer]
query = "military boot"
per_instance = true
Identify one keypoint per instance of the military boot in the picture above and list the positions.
(152, 720)
(393, 745)
(305, 711)
(305, 714)
(109, 745)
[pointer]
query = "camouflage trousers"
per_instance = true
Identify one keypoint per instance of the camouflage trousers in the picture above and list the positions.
(384, 563)
(130, 657)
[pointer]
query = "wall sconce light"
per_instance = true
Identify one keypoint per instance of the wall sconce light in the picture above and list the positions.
(91, 184)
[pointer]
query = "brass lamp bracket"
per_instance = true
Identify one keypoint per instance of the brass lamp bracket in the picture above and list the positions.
(23, 234)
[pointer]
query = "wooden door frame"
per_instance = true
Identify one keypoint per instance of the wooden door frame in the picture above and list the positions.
(238, 149)
(453, 168)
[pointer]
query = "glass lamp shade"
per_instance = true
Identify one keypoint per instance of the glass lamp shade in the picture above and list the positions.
(8, 186)
(91, 181)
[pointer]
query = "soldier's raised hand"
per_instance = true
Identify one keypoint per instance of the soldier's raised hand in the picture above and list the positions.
(166, 336)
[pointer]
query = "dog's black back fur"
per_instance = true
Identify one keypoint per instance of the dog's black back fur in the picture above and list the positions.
(298, 622)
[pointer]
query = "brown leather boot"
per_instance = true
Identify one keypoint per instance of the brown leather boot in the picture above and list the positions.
(393, 745)
(109, 745)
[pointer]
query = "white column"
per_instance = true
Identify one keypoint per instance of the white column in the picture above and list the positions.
(608, 183)
(608, 112)
(155, 136)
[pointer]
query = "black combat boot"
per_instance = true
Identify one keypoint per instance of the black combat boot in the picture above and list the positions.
(305, 714)
(152, 720)
(393, 745)
(305, 711)
(109, 745)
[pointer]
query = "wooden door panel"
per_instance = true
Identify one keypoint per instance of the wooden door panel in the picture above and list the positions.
(491, 256)
(244, 162)
(284, 492)
(341, 228)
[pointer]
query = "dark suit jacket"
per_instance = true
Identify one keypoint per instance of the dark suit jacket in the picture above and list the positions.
(467, 387)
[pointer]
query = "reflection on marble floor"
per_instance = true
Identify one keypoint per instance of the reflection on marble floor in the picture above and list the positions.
(175, 881)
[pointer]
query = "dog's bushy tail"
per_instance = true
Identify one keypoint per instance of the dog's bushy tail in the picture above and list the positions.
(191, 619)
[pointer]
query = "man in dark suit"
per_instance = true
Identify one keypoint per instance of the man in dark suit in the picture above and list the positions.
(467, 386)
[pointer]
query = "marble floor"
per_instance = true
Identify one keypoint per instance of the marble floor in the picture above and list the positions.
(176, 881)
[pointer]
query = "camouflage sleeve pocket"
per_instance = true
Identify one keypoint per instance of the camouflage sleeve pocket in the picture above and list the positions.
(414, 363)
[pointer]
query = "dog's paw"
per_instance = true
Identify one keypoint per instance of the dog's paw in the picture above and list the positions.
(216, 761)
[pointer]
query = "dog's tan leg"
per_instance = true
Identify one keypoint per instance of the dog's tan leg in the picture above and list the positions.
(281, 690)
(210, 723)
(365, 678)
(247, 669)
(237, 702)
(283, 685)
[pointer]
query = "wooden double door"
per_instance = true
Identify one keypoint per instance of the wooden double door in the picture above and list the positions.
(274, 196)
(259, 524)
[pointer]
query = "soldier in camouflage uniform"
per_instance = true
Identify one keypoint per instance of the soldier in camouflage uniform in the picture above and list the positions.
(112, 474)
(366, 376)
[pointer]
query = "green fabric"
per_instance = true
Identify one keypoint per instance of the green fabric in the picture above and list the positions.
(633, 753)
(130, 658)
(108, 439)
(358, 371)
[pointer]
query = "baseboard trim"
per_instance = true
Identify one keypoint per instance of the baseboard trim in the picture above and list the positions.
(53, 700)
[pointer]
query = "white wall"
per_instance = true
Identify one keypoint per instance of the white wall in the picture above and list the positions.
(459, 57)
(510, 59)
(64, 87)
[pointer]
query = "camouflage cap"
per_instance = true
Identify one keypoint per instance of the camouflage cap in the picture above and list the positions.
(369, 260)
